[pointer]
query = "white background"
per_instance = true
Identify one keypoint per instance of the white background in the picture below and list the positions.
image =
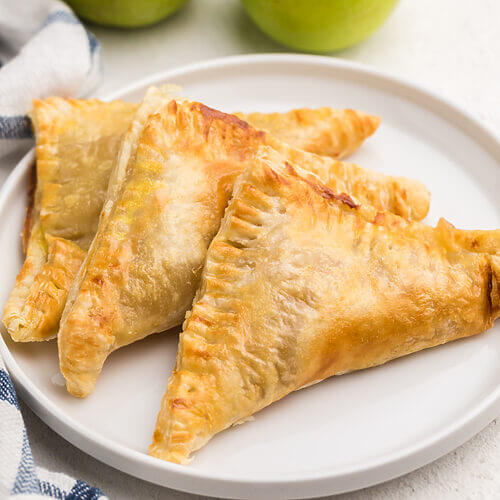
(450, 46)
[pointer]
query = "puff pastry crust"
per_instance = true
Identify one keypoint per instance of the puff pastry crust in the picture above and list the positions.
(302, 283)
(167, 202)
(77, 142)
(76, 145)
(324, 131)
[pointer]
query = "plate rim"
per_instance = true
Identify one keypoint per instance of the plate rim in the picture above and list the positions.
(309, 483)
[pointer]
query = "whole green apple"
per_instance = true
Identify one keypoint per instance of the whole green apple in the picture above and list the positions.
(319, 25)
(125, 13)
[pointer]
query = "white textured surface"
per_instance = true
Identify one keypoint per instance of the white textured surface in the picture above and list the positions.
(451, 46)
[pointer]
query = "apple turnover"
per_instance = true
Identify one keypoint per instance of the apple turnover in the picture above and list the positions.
(76, 142)
(302, 282)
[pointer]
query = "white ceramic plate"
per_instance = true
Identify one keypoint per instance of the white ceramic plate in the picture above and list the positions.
(347, 432)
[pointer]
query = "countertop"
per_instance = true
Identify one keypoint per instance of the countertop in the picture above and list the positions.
(451, 47)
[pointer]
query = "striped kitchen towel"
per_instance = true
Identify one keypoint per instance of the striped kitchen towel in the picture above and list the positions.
(19, 478)
(44, 51)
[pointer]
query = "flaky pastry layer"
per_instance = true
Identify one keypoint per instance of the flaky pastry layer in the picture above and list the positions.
(77, 142)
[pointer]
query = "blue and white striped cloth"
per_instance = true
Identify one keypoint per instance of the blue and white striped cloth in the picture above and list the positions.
(44, 51)
(19, 478)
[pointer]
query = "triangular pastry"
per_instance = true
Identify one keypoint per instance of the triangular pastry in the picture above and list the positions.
(77, 142)
(76, 145)
(144, 265)
(302, 283)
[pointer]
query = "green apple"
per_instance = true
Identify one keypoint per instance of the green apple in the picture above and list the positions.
(125, 13)
(319, 25)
